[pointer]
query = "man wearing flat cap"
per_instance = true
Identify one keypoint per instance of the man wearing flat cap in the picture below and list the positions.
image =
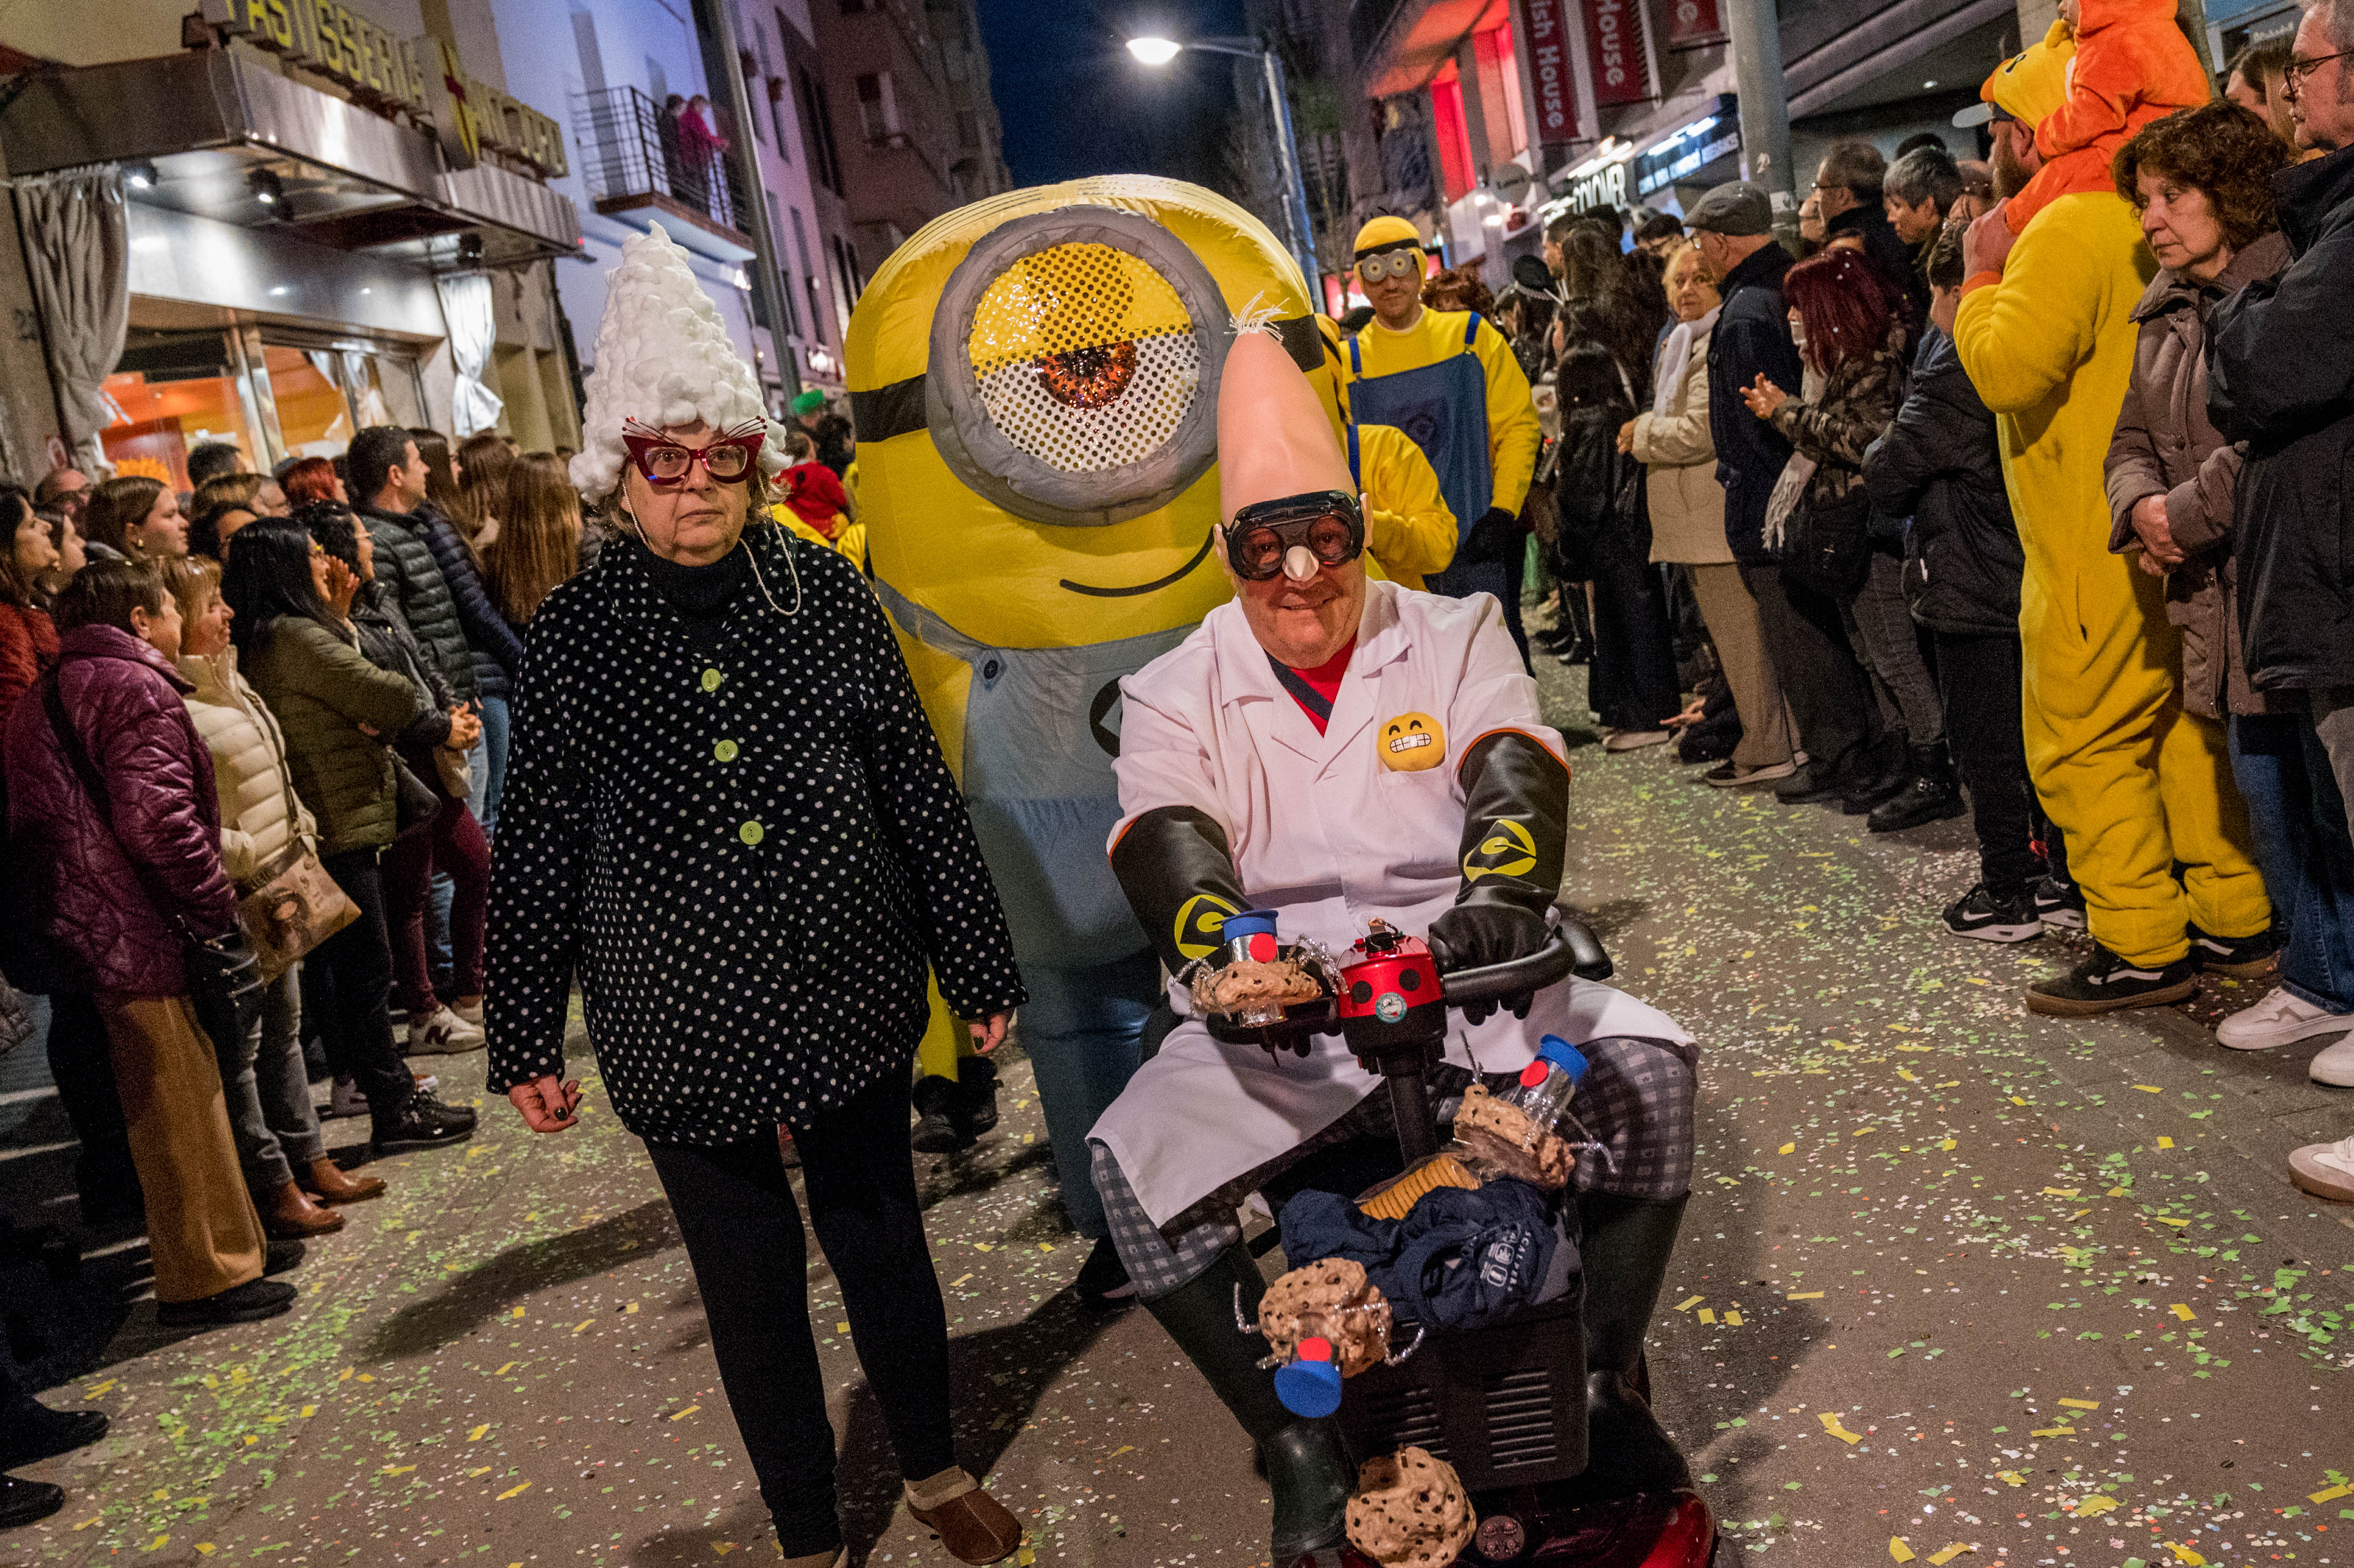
(1734, 226)
(1448, 379)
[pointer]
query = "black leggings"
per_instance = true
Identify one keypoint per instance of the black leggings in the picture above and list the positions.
(743, 1234)
(351, 973)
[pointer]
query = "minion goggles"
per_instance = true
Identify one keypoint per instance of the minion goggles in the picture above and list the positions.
(1406, 261)
(1271, 538)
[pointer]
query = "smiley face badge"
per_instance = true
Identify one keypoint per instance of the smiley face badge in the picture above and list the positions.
(1411, 742)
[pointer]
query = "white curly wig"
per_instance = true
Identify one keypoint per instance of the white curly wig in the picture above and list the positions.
(662, 358)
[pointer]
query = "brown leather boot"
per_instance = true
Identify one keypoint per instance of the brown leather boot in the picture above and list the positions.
(287, 1215)
(972, 1525)
(331, 1183)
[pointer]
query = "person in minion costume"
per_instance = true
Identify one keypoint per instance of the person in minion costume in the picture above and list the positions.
(1410, 533)
(1450, 382)
(1034, 382)
(2046, 331)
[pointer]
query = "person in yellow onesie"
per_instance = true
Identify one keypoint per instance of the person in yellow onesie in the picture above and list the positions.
(2045, 330)
(1409, 532)
(1450, 382)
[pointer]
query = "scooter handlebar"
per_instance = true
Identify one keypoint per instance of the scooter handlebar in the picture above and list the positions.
(1569, 948)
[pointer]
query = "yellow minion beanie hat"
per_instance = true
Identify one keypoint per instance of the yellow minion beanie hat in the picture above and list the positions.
(2031, 84)
(1386, 233)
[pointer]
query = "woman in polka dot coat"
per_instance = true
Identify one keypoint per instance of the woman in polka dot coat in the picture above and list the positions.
(725, 816)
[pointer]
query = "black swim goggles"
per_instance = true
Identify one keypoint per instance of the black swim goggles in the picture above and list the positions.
(1328, 523)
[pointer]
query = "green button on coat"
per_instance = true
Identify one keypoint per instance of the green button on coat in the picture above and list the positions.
(711, 679)
(751, 833)
(724, 751)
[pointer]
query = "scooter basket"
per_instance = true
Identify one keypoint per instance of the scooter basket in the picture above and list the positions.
(1505, 1405)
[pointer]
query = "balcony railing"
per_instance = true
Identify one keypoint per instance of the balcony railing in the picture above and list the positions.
(631, 151)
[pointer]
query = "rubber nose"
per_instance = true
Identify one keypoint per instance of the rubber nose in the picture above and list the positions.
(1299, 563)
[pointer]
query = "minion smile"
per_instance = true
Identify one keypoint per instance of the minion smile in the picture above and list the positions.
(1154, 587)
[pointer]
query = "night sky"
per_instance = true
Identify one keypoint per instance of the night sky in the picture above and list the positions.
(1075, 102)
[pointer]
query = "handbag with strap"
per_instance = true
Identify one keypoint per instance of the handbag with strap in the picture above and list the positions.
(224, 975)
(1826, 547)
(292, 906)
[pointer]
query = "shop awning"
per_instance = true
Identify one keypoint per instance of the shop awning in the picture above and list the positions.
(229, 139)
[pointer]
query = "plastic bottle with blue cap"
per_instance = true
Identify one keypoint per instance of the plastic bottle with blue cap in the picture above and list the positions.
(1310, 1385)
(1548, 1084)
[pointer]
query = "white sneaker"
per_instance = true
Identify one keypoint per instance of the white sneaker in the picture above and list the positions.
(2325, 1170)
(2335, 1065)
(345, 1099)
(441, 1033)
(2279, 1020)
(1634, 739)
(467, 1014)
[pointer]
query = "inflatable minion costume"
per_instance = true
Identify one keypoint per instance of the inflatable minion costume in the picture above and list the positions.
(1034, 382)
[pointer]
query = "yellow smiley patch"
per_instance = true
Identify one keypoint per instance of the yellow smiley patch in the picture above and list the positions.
(1411, 742)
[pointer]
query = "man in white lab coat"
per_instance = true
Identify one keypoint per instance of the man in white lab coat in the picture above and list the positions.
(1337, 750)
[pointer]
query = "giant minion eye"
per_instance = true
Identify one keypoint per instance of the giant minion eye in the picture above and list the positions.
(1075, 361)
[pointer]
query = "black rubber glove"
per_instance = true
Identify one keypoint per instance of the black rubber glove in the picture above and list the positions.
(1178, 870)
(1492, 538)
(1515, 831)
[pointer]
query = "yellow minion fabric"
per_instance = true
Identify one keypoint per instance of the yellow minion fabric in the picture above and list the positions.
(1409, 531)
(2136, 783)
(1512, 432)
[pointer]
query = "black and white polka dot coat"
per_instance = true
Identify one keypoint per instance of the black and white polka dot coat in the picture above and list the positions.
(748, 856)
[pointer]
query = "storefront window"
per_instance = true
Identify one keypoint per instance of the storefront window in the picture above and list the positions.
(165, 414)
(313, 416)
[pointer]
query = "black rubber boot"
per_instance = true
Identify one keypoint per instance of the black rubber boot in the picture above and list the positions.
(1930, 793)
(1879, 774)
(1306, 1471)
(1625, 1244)
(936, 1108)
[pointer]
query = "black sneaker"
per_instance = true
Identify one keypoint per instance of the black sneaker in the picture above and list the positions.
(23, 1502)
(1103, 1279)
(283, 1257)
(2108, 983)
(424, 1123)
(1981, 916)
(2247, 957)
(973, 1108)
(248, 1303)
(2060, 903)
(936, 1129)
(34, 1432)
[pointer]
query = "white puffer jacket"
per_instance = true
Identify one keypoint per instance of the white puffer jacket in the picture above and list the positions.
(248, 767)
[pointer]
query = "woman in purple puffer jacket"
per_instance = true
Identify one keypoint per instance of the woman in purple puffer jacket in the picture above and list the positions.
(98, 874)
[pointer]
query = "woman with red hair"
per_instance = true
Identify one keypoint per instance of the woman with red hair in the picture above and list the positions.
(1845, 319)
(309, 480)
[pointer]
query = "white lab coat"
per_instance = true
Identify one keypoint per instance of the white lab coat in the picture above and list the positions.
(1328, 835)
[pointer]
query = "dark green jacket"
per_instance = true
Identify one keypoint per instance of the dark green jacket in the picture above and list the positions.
(409, 583)
(321, 689)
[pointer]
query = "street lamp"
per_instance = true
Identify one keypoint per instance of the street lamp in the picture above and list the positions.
(1158, 51)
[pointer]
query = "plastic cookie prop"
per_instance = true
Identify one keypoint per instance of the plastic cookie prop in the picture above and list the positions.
(1410, 1511)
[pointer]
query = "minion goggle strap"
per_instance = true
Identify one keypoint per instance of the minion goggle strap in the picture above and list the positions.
(1327, 527)
(1401, 259)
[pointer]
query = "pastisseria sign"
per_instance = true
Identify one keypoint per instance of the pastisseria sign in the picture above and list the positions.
(389, 74)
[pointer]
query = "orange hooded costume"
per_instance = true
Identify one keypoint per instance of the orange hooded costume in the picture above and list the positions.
(2132, 66)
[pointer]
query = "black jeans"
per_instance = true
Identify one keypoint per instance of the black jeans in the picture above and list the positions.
(1805, 635)
(354, 970)
(1978, 686)
(1633, 682)
(744, 1236)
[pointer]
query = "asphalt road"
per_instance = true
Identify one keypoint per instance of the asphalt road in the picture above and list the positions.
(1958, 1284)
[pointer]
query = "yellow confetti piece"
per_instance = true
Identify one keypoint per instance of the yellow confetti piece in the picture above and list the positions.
(2170, 1220)
(2060, 1192)
(476, 1434)
(2079, 1213)
(2119, 1193)
(2053, 1432)
(1804, 1296)
(250, 1439)
(1689, 1302)
(2017, 1101)
(399, 1470)
(1898, 1550)
(1029, 1137)
(841, 1327)
(2080, 1405)
(514, 1491)
(516, 1313)
(1950, 1552)
(2013, 1476)
(157, 1544)
(959, 1280)
(1948, 1143)
(1832, 1425)
(1788, 1149)
(504, 1370)
(367, 1377)
(1123, 1448)
(309, 1411)
(1859, 1132)
(85, 1524)
(2150, 1088)
(2098, 1503)
(687, 1412)
(723, 1547)
(1708, 1314)
(2330, 1494)
(1733, 1319)
(102, 1388)
(160, 1494)
(584, 1323)
(1026, 1556)
(2165, 1143)
(630, 1308)
(2183, 1312)
(205, 1549)
(2183, 1554)
(478, 1471)
(982, 1246)
(344, 1375)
